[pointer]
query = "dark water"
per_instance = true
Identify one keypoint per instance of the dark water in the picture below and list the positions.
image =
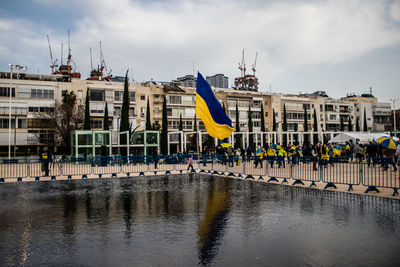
(193, 220)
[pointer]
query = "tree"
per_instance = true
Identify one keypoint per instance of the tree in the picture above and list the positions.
(124, 124)
(315, 127)
(349, 125)
(273, 121)
(65, 118)
(365, 121)
(223, 107)
(180, 129)
(194, 136)
(86, 124)
(180, 121)
(358, 128)
(263, 123)
(250, 128)
(284, 126)
(106, 123)
(262, 119)
(341, 124)
(238, 139)
(306, 136)
(148, 119)
(164, 129)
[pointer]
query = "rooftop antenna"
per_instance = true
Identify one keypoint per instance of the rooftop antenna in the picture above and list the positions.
(244, 64)
(370, 90)
(69, 50)
(62, 49)
(241, 65)
(91, 61)
(254, 65)
(53, 62)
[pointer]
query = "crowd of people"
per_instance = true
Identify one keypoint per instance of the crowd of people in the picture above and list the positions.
(320, 154)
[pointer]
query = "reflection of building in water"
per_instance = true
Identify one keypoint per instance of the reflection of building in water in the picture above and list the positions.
(211, 228)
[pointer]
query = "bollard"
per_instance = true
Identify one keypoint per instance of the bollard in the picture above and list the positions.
(272, 179)
(350, 187)
(330, 185)
(371, 188)
(395, 192)
(298, 182)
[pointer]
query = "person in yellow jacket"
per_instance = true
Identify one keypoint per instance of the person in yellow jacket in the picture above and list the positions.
(270, 155)
(281, 157)
(259, 156)
(324, 155)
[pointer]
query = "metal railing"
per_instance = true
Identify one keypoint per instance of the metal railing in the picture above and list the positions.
(373, 173)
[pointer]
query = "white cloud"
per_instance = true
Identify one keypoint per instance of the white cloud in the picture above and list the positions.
(395, 10)
(158, 39)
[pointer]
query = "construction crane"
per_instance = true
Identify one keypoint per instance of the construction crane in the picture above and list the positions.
(69, 50)
(53, 62)
(242, 66)
(103, 63)
(253, 67)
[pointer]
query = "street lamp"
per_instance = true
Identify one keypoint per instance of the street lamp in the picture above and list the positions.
(394, 113)
(18, 67)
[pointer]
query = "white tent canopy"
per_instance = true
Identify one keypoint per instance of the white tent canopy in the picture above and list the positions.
(359, 137)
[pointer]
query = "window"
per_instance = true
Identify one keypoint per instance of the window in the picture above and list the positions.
(22, 123)
(266, 103)
(117, 111)
(142, 97)
(96, 124)
(132, 96)
(175, 99)
(156, 96)
(266, 114)
(96, 95)
(256, 123)
(41, 109)
(169, 112)
(5, 91)
(118, 96)
(63, 92)
(131, 111)
(156, 110)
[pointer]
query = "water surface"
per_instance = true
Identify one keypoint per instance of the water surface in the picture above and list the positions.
(193, 220)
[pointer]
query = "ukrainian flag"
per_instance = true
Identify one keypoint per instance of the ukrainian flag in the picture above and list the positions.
(209, 110)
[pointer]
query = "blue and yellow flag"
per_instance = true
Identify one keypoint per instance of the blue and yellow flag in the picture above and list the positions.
(209, 110)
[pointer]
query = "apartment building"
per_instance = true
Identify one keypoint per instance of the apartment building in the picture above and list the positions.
(34, 94)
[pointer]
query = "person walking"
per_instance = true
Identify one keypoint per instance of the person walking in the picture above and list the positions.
(45, 158)
(155, 157)
(190, 163)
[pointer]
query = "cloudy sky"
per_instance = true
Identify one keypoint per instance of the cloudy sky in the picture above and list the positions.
(340, 46)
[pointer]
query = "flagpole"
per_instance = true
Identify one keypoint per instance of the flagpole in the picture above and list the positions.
(197, 141)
